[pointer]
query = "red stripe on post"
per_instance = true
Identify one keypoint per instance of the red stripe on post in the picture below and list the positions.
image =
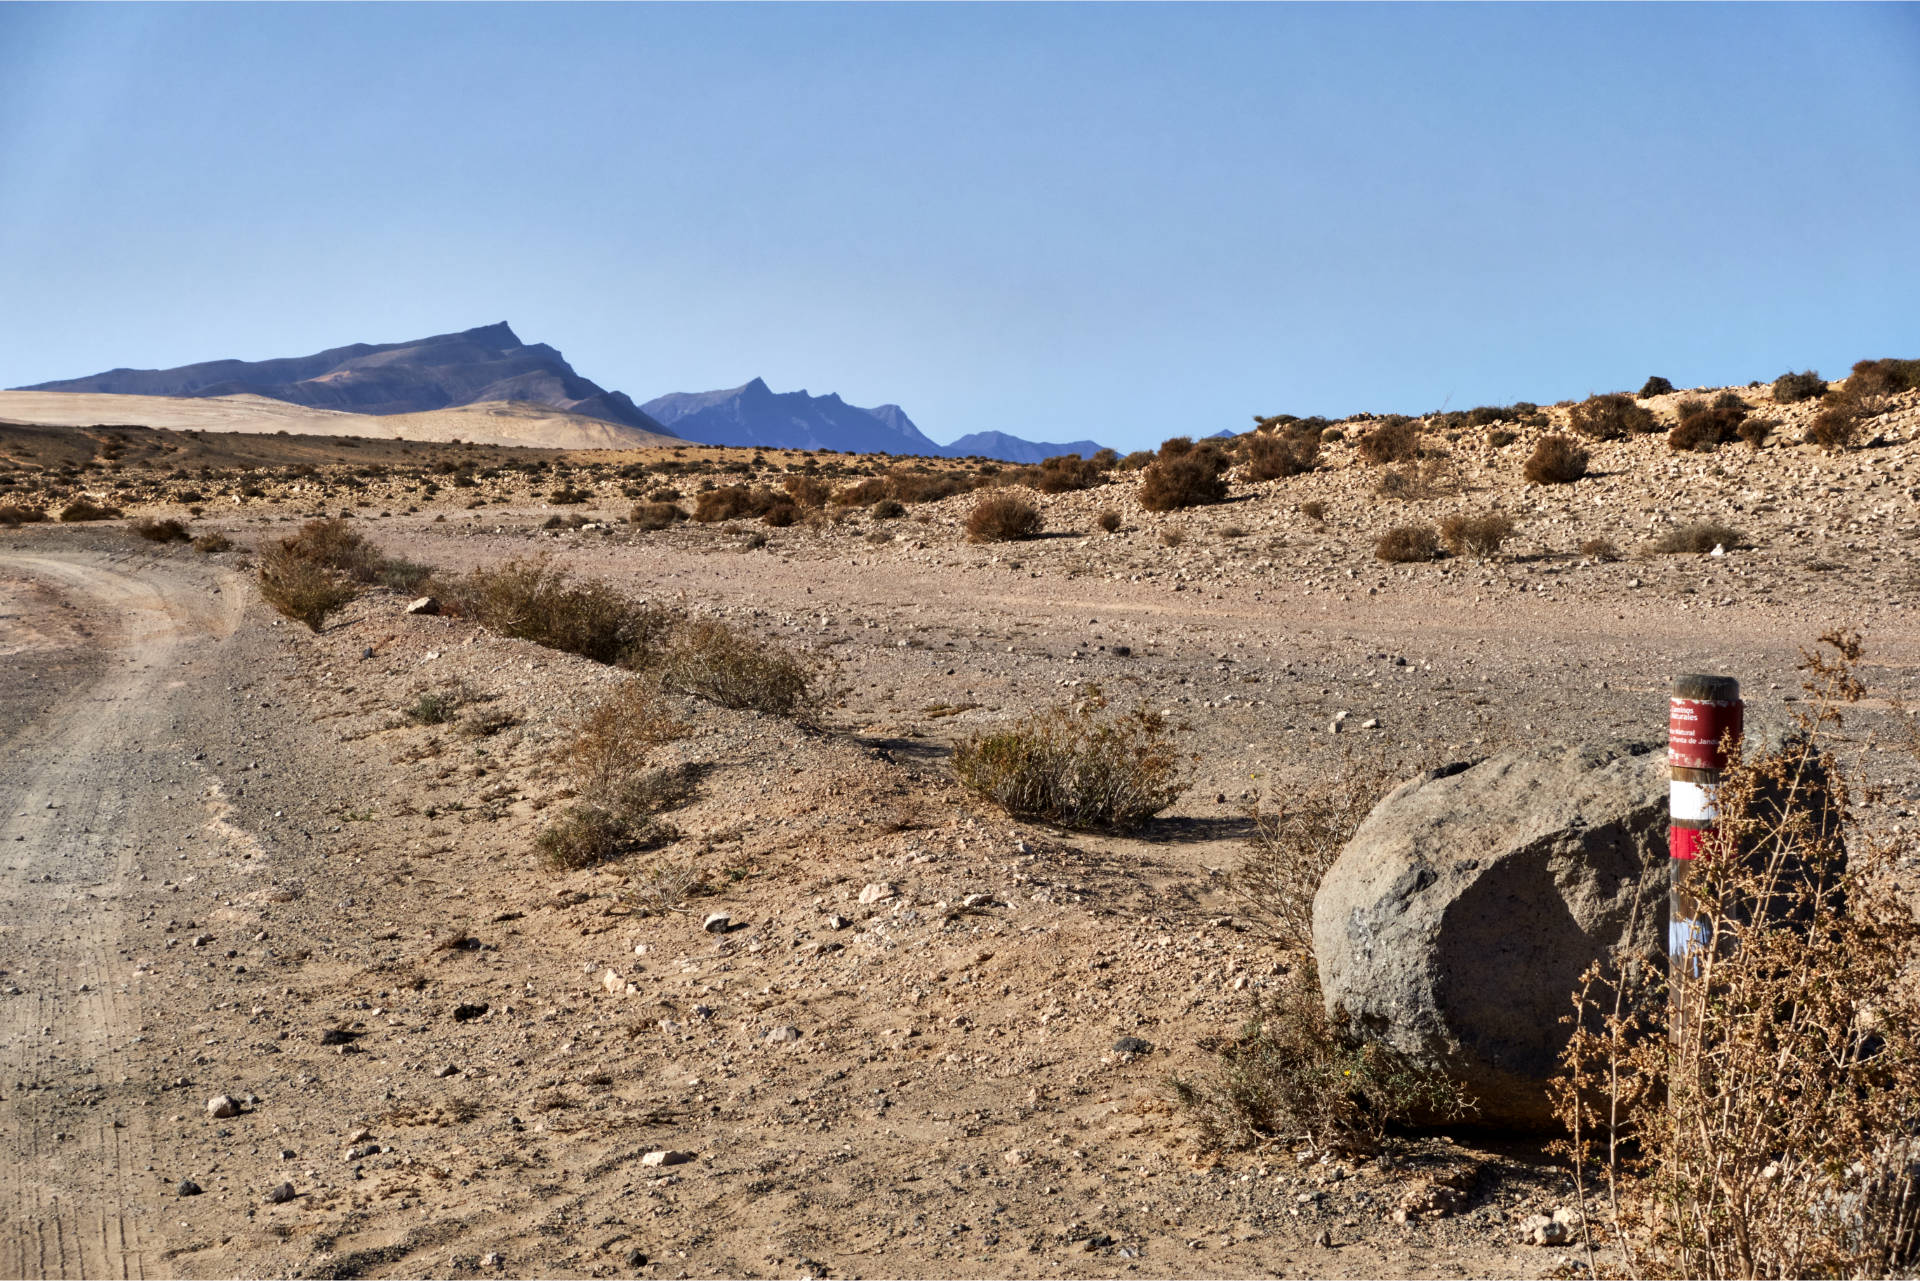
(1685, 842)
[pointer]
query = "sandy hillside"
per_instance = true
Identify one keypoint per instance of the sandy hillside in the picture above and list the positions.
(505, 423)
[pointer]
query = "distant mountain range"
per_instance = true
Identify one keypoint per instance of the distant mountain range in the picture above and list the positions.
(478, 365)
(755, 414)
(491, 364)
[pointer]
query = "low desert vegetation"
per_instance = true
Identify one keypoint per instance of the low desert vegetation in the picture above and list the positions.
(1407, 544)
(162, 531)
(1394, 439)
(210, 543)
(1704, 428)
(1184, 475)
(609, 756)
(1556, 460)
(1655, 386)
(1297, 835)
(1791, 389)
(14, 514)
(1481, 535)
(1085, 769)
(1696, 539)
(1612, 416)
(1836, 427)
(710, 660)
(531, 599)
(1003, 517)
(1883, 377)
(1600, 549)
(1108, 521)
(656, 516)
(299, 587)
(1752, 1114)
(1314, 510)
(1281, 453)
(85, 509)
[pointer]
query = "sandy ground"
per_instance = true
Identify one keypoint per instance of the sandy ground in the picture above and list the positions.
(230, 866)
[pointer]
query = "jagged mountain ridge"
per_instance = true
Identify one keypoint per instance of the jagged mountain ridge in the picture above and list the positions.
(480, 365)
(754, 414)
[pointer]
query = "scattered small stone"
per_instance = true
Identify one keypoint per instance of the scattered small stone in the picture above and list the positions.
(1538, 1229)
(666, 1156)
(281, 1194)
(362, 1151)
(1015, 1156)
(222, 1106)
(187, 1187)
(424, 605)
(784, 1035)
(876, 891)
(1132, 1045)
(335, 1036)
(636, 1258)
(360, 1135)
(446, 1071)
(717, 923)
(838, 922)
(493, 1259)
(467, 1013)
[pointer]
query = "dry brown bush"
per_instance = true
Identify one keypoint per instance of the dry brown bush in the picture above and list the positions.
(1296, 838)
(1697, 538)
(84, 509)
(1612, 416)
(162, 531)
(1002, 517)
(530, 599)
(213, 542)
(12, 514)
(1836, 427)
(913, 486)
(1314, 510)
(1556, 460)
(1756, 430)
(1706, 428)
(1063, 474)
(711, 660)
(1600, 549)
(1108, 521)
(863, 493)
(1479, 535)
(298, 587)
(1407, 544)
(732, 502)
(1078, 769)
(656, 516)
(614, 741)
(1752, 1113)
(1275, 456)
(1394, 439)
(1789, 389)
(807, 491)
(1191, 477)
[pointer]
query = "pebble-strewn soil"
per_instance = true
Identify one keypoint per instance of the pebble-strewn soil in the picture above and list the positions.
(230, 865)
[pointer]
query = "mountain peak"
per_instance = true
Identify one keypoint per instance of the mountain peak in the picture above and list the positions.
(500, 334)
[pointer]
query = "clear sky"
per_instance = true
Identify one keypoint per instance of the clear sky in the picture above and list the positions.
(1117, 222)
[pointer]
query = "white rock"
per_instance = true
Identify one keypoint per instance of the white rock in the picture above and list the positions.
(716, 923)
(784, 1035)
(876, 891)
(221, 1106)
(666, 1157)
(424, 605)
(612, 982)
(837, 922)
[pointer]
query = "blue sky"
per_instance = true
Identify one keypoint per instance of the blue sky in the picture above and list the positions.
(1116, 222)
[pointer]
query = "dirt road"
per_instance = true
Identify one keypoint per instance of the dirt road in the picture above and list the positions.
(91, 779)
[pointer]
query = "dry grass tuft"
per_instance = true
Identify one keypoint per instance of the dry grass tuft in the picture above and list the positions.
(1613, 416)
(14, 514)
(1697, 539)
(84, 509)
(300, 588)
(1556, 460)
(1480, 535)
(711, 660)
(1190, 477)
(162, 531)
(1297, 838)
(530, 599)
(1076, 769)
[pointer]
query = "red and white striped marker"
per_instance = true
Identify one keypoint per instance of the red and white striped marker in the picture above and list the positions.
(1704, 712)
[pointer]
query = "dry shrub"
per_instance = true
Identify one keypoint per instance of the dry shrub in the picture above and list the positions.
(300, 588)
(583, 836)
(1292, 1075)
(862, 493)
(1479, 535)
(1407, 544)
(14, 514)
(711, 660)
(1314, 510)
(656, 516)
(732, 502)
(1297, 838)
(1173, 536)
(1136, 460)
(807, 491)
(1394, 439)
(1790, 389)
(1556, 460)
(83, 509)
(913, 486)
(1191, 477)
(213, 542)
(1002, 517)
(162, 531)
(1835, 428)
(1612, 416)
(335, 544)
(1752, 1113)
(1108, 521)
(1064, 474)
(1600, 549)
(1655, 386)
(614, 741)
(1276, 456)
(1704, 429)
(887, 509)
(1500, 438)
(780, 514)
(1078, 769)
(1756, 430)
(1696, 538)
(1883, 377)
(530, 599)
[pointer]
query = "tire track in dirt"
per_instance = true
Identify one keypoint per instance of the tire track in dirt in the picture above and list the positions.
(87, 787)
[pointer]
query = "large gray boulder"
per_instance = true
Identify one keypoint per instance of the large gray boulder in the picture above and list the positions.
(1454, 926)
